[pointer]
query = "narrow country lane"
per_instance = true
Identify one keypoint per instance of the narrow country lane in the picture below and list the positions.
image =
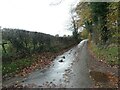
(69, 70)
(59, 44)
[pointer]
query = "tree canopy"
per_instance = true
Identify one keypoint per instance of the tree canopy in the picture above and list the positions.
(101, 20)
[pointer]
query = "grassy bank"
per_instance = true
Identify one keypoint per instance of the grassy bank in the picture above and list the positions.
(9, 69)
(26, 65)
(108, 54)
(21, 49)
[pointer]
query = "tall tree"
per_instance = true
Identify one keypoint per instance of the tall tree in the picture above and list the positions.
(99, 14)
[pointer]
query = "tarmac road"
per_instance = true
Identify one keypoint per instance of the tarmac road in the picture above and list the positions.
(68, 70)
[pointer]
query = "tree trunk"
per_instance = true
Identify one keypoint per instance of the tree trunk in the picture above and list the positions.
(4, 47)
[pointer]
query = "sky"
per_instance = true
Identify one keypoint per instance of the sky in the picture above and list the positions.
(37, 15)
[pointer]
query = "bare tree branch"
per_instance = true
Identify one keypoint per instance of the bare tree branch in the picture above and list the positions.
(56, 3)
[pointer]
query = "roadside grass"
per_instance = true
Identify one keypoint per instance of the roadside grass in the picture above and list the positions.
(14, 67)
(11, 66)
(109, 54)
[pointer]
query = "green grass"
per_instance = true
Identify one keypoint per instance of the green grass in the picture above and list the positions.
(12, 65)
(110, 54)
(16, 66)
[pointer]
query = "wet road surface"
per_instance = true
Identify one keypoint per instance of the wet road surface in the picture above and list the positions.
(68, 70)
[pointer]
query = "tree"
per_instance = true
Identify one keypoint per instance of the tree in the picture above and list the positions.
(100, 19)
(74, 25)
(57, 35)
(112, 21)
(99, 12)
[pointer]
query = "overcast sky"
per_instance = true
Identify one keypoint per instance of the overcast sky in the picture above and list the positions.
(36, 15)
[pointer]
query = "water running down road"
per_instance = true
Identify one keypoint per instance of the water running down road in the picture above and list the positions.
(72, 71)
(69, 70)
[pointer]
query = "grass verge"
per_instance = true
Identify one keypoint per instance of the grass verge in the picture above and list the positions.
(14, 67)
(108, 55)
(24, 65)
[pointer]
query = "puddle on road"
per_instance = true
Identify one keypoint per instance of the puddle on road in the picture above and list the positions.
(99, 76)
(104, 79)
